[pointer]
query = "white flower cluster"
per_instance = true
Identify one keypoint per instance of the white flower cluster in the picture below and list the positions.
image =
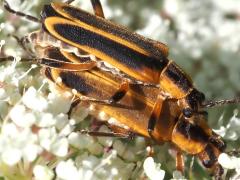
(37, 140)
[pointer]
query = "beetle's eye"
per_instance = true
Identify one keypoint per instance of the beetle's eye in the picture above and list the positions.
(187, 112)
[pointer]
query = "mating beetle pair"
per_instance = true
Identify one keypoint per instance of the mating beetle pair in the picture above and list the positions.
(124, 76)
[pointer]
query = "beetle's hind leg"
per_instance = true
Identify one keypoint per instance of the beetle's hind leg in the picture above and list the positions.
(18, 13)
(124, 135)
(97, 7)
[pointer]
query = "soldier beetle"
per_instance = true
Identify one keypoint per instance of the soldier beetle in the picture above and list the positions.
(145, 92)
(132, 112)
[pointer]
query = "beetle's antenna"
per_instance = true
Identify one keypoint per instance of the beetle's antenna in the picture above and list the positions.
(209, 104)
(18, 13)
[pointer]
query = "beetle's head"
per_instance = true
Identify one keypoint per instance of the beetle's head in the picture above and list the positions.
(194, 136)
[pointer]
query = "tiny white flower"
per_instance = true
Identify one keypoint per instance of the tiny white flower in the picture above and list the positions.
(66, 130)
(20, 116)
(152, 170)
(172, 7)
(61, 121)
(53, 142)
(80, 113)
(232, 132)
(46, 120)
(80, 141)
(17, 113)
(9, 130)
(114, 171)
(33, 100)
(42, 172)
(58, 103)
(3, 94)
(221, 131)
(90, 162)
(229, 162)
(11, 156)
(30, 152)
(46, 137)
(60, 147)
(67, 170)
(17, 143)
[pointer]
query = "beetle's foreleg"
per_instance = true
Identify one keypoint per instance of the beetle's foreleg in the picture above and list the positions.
(218, 172)
(179, 161)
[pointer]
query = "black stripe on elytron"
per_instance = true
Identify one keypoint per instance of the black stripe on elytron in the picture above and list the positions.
(75, 81)
(48, 74)
(123, 54)
(115, 29)
(192, 131)
(178, 77)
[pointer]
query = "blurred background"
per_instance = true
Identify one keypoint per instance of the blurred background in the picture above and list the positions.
(202, 36)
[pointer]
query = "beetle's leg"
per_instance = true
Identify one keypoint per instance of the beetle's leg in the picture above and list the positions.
(18, 13)
(218, 172)
(120, 130)
(108, 134)
(155, 115)
(97, 7)
(121, 134)
(118, 95)
(8, 58)
(116, 130)
(11, 58)
(179, 161)
(69, 1)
